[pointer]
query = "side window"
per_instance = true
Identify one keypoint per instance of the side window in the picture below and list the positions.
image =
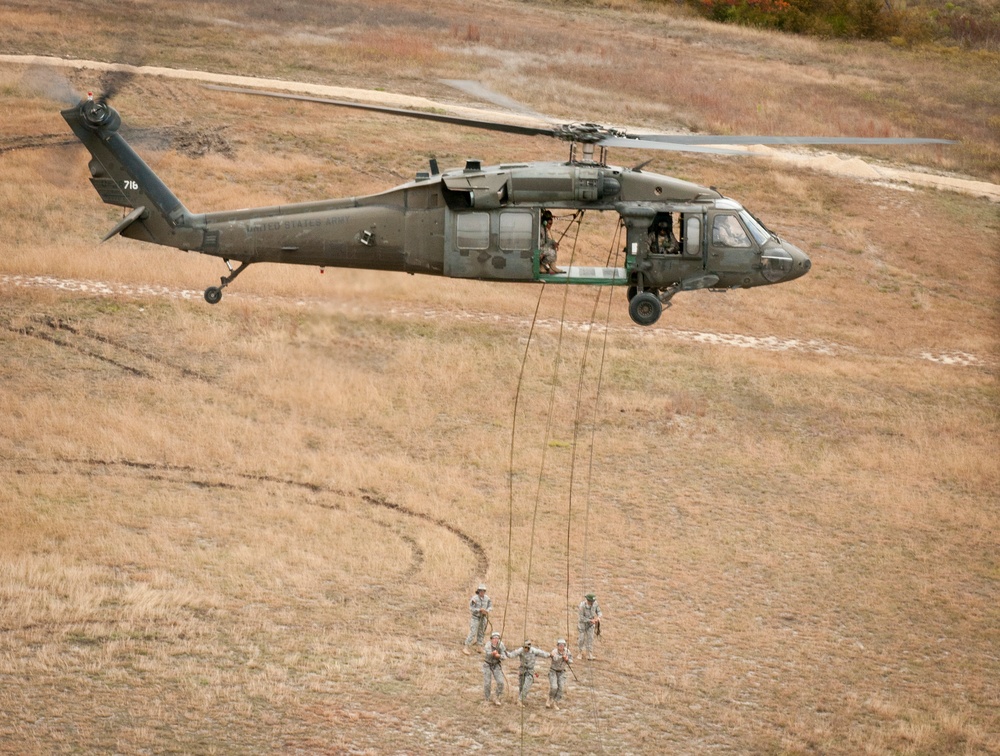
(727, 232)
(692, 236)
(472, 230)
(515, 231)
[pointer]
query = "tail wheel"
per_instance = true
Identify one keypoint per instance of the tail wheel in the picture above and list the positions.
(213, 294)
(645, 308)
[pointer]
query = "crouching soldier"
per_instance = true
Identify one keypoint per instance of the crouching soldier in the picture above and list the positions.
(560, 661)
(494, 653)
(526, 672)
(547, 246)
(480, 606)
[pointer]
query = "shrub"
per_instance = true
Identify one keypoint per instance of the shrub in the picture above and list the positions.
(973, 25)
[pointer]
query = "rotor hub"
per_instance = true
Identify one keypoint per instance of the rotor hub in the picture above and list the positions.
(587, 133)
(99, 115)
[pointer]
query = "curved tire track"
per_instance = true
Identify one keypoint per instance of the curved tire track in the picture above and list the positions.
(164, 472)
(51, 338)
(56, 331)
(482, 561)
(37, 142)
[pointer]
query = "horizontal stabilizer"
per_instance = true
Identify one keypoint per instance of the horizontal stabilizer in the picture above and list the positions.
(125, 222)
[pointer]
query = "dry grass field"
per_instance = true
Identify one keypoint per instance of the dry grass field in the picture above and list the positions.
(254, 527)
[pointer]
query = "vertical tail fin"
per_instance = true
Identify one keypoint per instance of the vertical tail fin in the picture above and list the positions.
(122, 178)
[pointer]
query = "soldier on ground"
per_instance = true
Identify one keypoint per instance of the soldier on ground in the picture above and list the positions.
(494, 653)
(560, 661)
(589, 625)
(480, 606)
(526, 672)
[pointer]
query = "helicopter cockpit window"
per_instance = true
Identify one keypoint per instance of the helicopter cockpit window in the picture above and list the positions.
(515, 231)
(473, 230)
(727, 232)
(759, 232)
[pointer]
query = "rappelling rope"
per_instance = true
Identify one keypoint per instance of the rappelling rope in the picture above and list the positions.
(513, 433)
(578, 413)
(612, 255)
(510, 462)
(575, 220)
(510, 472)
(585, 572)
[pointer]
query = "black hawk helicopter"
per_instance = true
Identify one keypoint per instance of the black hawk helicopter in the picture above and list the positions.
(477, 222)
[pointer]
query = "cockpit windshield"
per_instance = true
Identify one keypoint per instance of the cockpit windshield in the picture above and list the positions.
(760, 234)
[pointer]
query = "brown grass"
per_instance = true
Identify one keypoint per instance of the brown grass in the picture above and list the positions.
(254, 527)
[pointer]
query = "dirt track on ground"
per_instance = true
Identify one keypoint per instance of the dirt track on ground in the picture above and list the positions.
(736, 340)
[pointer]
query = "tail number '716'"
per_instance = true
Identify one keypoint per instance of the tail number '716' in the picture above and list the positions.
(130, 184)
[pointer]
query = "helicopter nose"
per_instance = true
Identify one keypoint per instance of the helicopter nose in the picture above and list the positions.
(800, 261)
(783, 262)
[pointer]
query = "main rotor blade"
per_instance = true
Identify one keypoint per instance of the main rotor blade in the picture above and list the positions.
(475, 89)
(439, 117)
(706, 139)
(593, 133)
(643, 143)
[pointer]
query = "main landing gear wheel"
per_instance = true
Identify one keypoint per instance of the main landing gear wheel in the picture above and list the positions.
(633, 290)
(645, 308)
(213, 294)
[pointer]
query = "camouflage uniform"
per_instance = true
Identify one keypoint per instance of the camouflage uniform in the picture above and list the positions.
(526, 672)
(558, 667)
(661, 241)
(479, 609)
(547, 248)
(586, 626)
(492, 669)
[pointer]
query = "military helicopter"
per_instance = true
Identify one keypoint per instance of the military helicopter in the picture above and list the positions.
(475, 222)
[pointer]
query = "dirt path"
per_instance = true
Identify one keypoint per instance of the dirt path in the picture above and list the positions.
(845, 167)
(735, 340)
